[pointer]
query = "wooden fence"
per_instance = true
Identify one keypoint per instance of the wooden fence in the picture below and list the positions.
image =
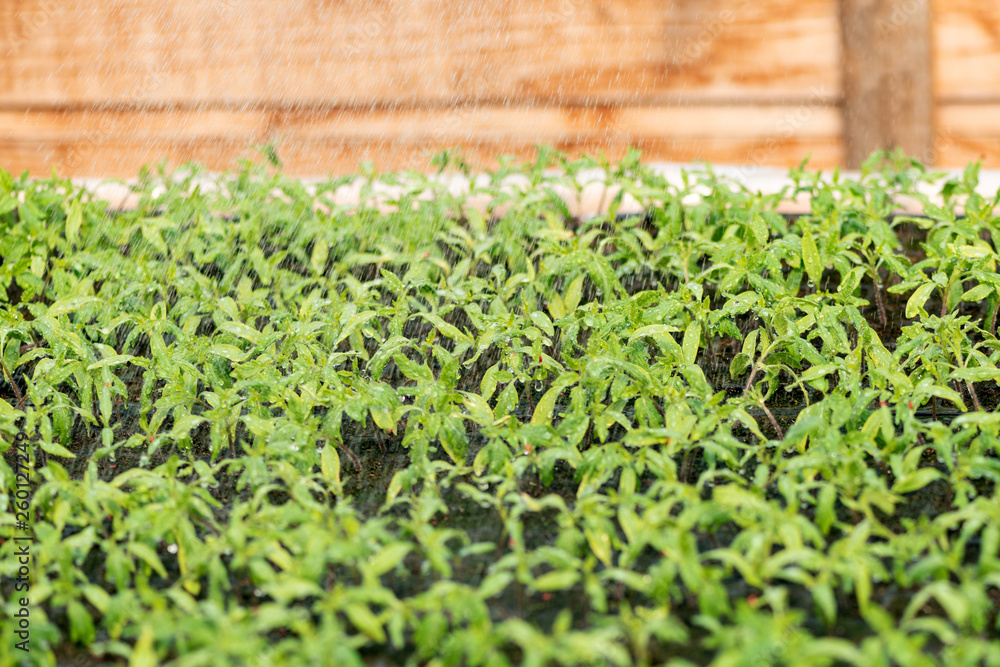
(101, 88)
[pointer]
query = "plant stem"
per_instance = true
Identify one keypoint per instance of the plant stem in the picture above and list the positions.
(685, 467)
(774, 422)
(17, 392)
(993, 318)
(972, 394)
(753, 372)
(880, 302)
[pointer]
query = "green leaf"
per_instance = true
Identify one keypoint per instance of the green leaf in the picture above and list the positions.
(750, 344)
(877, 351)
(810, 257)
(151, 232)
(55, 449)
(364, 620)
(230, 352)
(412, 370)
(849, 283)
(825, 511)
(447, 329)
(557, 580)
(759, 228)
(979, 374)
(948, 394)
(115, 360)
(183, 425)
(824, 598)
(557, 308)
(287, 589)
(8, 203)
(915, 304)
(389, 557)
(386, 351)
(74, 219)
(978, 293)
(542, 321)
(69, 304)
(816, 372)
(573, 294)
(739, 365)
(353, 324)
(955, 605)
(546, 404)
(143, 653)
(660, 333)
(395, 486)
(241, 330)
(145, 553)
(600, 544)
(81, 626)
(692, 338)
(494, 584)
(489, 382)
(330, 464)
(507, 400)
(317, 261)
(478, 408)
(916, 480)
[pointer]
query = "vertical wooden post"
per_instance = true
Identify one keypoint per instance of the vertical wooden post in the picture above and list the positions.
(888, 101)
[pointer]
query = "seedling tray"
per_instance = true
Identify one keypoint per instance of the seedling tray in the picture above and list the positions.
(422, 433)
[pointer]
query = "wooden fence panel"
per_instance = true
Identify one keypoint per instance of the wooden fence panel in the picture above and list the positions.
(118, 142)
(360, 53)
(100, 88)
(966, 51)
(967, 81)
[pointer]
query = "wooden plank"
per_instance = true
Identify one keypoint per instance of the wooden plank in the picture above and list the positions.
(240, 53)
(887, 78)
(968, 132)
(966, 50)
(116, 143)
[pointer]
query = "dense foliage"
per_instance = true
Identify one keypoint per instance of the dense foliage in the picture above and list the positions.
(265, 429)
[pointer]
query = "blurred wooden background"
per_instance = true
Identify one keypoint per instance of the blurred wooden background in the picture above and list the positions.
(101, 88)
